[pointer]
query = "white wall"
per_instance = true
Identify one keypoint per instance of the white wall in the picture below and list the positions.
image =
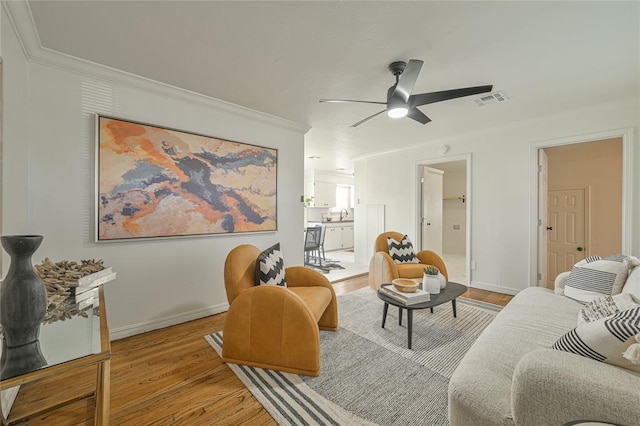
(14, 150)
(49, 185)
(500, 178)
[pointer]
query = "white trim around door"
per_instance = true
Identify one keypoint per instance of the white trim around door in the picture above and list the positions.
(468, 200)
(627, 189)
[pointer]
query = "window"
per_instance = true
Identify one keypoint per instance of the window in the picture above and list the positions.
(344, 196)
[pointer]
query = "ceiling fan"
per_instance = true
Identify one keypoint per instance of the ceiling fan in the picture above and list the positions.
(400, 101)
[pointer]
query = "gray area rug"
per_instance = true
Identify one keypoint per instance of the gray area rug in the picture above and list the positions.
(368, 375)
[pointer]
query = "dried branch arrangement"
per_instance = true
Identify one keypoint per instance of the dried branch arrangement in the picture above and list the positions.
(58, 278)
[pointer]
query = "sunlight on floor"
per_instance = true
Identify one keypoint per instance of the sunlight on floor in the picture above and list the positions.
(455, 266)
(346, 260)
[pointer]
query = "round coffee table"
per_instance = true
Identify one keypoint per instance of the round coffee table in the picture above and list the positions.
(447, 294)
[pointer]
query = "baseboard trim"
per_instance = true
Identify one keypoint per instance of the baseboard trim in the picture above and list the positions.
(495, 288)
(143, 327)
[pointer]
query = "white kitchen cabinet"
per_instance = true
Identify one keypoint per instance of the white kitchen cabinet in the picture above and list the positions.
(338, 237)
(347, 237)
(324, 194)
(333, 238)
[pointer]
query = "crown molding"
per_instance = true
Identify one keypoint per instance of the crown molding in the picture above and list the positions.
(21, 18)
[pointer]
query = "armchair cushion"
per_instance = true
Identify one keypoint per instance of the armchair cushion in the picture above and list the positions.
(401, 251)
(318, 298)
(270, 267)
(410, 270)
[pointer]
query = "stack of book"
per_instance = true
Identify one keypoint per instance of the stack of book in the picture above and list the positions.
(85, 299)
(419, 296)
(91, 281)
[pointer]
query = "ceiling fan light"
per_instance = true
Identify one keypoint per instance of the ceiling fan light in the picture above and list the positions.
(397, 112)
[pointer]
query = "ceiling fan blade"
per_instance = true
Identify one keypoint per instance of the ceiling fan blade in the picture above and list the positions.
(445, 95)
(350, 100)
(408, 79)
(368, 118)
(418, 115)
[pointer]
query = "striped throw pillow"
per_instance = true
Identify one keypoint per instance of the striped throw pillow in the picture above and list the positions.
(270, 267)
(604, 340)
(401, 251)
(594, 277)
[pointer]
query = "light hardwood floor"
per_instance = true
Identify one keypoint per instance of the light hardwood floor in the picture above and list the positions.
(170, 377)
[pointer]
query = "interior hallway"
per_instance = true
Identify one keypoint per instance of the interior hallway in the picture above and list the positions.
(456, 267)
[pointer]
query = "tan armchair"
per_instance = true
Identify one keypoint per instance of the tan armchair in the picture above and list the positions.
(382, 268)
(271, 326)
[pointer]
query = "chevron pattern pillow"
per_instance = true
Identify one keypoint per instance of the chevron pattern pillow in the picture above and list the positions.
(604, 340)
(402, 252)
(270, 267)
(595, 277)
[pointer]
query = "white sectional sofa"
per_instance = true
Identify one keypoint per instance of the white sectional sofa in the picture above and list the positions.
(511, 376)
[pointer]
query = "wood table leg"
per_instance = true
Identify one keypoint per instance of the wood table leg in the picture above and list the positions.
(453, 303)
(410, 325)
(385, 308)
(103, 394)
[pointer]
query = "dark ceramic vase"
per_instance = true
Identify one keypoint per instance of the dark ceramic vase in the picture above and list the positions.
(20, 360)
(23, 296)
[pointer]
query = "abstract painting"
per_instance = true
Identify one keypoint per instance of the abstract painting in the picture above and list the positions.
(156, 182)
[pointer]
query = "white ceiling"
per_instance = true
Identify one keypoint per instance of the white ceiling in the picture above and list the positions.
(281, 57)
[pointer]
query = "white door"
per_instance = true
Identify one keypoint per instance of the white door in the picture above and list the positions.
(432, 180)
(567, 232)
(543, 187)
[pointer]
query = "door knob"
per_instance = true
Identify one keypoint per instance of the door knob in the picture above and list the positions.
(549, 228)
(580, 248)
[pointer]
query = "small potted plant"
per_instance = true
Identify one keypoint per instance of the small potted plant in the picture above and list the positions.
(431, 280)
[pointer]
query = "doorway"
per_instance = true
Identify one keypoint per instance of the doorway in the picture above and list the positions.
(583, 202)
(444, 214)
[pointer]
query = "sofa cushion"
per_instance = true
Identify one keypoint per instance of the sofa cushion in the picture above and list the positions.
(401, 251)
(604, 340)
(480, 388)
(632, 285)
(270, 267)
(606, 306)
(594, 277)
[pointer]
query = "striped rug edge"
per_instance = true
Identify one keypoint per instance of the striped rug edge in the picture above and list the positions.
(291, 402)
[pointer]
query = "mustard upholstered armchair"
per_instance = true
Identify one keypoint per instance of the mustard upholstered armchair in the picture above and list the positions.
(271, 326)
(382, 268)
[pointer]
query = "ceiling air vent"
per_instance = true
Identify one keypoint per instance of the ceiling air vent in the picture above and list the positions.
(491, 98)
